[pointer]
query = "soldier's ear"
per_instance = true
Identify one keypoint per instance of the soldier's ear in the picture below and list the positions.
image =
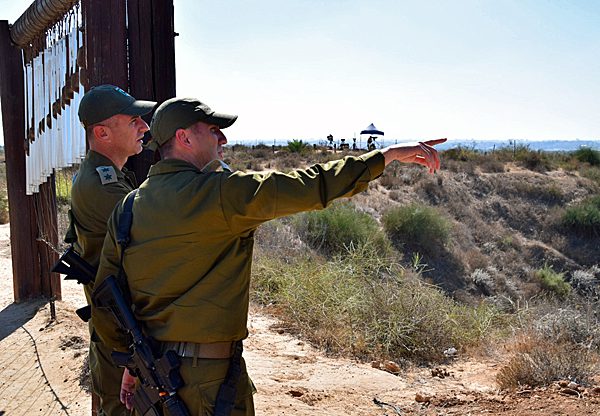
(182, 138)
(100, 132)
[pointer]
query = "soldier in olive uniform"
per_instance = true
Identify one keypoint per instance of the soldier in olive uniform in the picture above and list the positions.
(188, 263)
(114, 130)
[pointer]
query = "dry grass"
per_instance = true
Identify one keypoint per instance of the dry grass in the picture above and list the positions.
(539, 362)
(556, 341)
(366, 306)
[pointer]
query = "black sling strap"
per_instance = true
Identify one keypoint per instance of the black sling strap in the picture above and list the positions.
(227, 392)
(125, 220)
(123, 230)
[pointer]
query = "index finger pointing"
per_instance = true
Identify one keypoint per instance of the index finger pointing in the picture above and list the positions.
(434, 142)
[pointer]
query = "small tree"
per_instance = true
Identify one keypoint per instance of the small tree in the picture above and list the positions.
(297, 146)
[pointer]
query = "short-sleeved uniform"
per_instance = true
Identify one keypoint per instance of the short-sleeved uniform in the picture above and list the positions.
(97, 188)
(189, 260)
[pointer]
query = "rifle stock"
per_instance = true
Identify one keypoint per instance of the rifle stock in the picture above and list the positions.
(76, 268)
(158, 373)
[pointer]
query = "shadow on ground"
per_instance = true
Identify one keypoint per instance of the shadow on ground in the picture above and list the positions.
(16, 315)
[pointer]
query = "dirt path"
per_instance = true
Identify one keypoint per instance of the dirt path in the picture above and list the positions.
(41, 367)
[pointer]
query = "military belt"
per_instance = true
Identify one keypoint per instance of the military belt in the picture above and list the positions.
(217, 350)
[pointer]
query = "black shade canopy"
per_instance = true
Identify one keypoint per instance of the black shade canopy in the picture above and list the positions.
(371, 129)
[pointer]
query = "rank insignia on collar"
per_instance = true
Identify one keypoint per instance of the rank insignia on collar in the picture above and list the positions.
(107, 174)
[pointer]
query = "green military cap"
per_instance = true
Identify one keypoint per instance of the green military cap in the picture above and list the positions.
(105, 101)
(180, 113)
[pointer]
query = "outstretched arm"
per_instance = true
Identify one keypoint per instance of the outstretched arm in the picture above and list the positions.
(421, 153)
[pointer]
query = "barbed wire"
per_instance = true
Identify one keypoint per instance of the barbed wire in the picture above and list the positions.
(62, 405)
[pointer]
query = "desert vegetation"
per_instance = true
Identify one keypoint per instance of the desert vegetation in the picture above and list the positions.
(495, 254)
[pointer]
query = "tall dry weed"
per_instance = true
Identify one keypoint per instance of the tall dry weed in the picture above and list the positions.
(538, 361)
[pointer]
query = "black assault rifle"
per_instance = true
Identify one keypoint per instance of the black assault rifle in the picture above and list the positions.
(76, 268)
(158, 373)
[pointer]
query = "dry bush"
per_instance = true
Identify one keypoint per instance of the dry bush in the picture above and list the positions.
(492, 165)
(557, 340)
(432, 190)
(390, 180)
(475, 259)
(540, 361)
(508, 242)
(536, 161)
(573, 323)
(592, 173)
(395, 196)
(587, 282)
(277, 238)
(253, 158)
(527, 188)
(364, 305)
(286, 161)
(468, 167)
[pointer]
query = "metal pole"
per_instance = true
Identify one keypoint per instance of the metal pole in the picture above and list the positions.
(38, 17)
(23, 229)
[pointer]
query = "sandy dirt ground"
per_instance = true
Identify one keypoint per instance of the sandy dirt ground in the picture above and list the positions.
(43, 361)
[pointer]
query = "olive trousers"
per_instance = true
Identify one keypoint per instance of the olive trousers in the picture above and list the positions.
(202, 383)
(106, 380)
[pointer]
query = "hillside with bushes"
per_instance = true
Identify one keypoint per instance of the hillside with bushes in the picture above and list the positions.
(497, 249)
(493, 262)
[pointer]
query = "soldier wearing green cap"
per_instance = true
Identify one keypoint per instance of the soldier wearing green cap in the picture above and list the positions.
(114, 131)
(188, 263)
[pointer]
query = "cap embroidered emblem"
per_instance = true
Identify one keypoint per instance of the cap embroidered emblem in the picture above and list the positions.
(122, 92)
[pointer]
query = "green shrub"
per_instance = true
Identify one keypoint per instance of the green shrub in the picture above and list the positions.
(418, 226)
(4, 217)
(591, 172)
(461, 153)
(360, 304)
(553, 282)
(536, 161)
(297, 146)
(587, 155)
(584, 218)
(336, 228)
(63, 192)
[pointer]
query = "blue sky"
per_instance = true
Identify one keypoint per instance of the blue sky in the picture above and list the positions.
(463, 69)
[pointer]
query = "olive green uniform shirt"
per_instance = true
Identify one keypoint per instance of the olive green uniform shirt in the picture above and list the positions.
(97, 188)
(188, 263)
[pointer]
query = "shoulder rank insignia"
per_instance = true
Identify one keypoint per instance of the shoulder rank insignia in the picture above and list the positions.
(107, 174)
